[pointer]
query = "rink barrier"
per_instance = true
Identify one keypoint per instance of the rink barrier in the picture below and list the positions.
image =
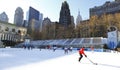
(75, 49)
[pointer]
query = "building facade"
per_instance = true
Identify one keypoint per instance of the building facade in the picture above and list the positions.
(11, 34)
(34, 19)
(46, 21)
(18, 17)
(41, 21)
(65, 16)
(33, 14)
(4, 17)
(72, 20)
(107, 8)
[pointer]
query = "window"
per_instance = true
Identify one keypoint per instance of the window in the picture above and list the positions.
(13, 30)
(6, 29)
(19, 32)
(0, 27)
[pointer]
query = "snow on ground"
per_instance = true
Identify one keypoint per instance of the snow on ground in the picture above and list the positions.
(21, 59)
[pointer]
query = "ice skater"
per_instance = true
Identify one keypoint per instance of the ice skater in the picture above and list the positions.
(81, 53)
(66, 50)
(92, 48)
(70, 49)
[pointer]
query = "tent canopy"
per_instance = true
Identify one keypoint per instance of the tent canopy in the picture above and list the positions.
(73, 41)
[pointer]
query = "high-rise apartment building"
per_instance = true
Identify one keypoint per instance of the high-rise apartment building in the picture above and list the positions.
(19, 16)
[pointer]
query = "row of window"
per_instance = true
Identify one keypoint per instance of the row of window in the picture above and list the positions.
(11, 37)
(13, 30)
(111, 6)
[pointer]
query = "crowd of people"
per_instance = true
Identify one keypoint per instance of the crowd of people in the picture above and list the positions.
(55, 47)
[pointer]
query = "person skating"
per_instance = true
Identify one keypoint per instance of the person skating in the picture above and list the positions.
(66, 50)
(81, 53)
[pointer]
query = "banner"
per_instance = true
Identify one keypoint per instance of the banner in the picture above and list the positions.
(112, 39)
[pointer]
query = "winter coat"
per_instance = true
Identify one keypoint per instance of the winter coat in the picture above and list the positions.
(81, 51)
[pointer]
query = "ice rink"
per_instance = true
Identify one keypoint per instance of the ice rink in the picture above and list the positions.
(21, 59)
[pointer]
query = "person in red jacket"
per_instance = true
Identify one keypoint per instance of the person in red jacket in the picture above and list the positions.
(81, 53)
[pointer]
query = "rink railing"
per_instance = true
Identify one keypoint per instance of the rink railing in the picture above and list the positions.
(22, 49)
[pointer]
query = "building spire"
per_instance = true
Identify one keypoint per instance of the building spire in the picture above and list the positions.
(79, 18)
(79, 12)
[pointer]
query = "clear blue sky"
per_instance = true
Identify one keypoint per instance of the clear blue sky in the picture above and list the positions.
(49, 8)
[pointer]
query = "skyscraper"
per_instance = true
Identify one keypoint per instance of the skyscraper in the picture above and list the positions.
(33, 14)
(79, 18)
(4, 17)
(65, 17)
(34, 19)
(41, 21)
(72, 20)
(18, 17)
